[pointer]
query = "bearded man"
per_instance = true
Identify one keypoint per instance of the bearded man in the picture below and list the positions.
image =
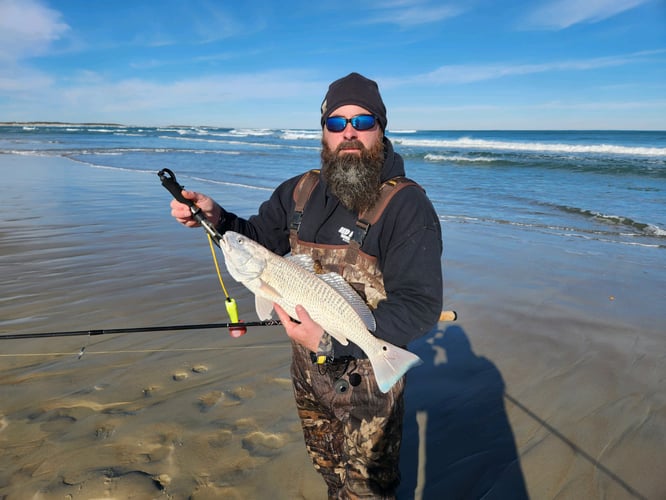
(358, 216)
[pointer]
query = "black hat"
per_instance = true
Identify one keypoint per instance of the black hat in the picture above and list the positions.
(354, 89)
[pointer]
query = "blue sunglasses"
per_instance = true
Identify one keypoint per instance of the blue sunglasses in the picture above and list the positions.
(359, 122)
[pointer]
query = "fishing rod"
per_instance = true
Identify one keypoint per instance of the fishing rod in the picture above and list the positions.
(111, 331)
(445, 316)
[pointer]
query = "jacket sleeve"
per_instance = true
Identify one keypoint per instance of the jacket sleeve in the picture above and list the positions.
(410, 253)
(270, 226)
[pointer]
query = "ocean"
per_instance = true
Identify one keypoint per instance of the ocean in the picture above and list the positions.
(584, 187)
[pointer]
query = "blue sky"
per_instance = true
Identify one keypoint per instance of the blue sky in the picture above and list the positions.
(440, 64)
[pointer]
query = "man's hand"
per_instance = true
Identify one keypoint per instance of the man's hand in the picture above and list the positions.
(183, 214)
(307, 332)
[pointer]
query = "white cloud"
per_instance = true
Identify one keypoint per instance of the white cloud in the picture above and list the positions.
(190, 23)
(468, 73)
(88, 96)
(412, 13)
(560, 14)
(627, 115)
(27, 28)
(132, 94)
(17, 81)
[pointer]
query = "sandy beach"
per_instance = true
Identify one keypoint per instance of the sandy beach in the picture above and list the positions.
(552, 379)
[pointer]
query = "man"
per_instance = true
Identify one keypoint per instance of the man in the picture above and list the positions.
(361, 218)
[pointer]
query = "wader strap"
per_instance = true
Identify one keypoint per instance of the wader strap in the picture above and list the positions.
(366, 219)
(301, 195)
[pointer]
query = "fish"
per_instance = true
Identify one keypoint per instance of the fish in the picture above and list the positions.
(329, 300)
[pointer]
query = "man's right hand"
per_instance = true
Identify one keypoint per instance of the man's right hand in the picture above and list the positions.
(183, 214)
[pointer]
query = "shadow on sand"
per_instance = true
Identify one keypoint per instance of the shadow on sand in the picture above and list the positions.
(454, 408)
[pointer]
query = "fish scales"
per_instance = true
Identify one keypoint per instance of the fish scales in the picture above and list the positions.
(330, 302)
(324, 304)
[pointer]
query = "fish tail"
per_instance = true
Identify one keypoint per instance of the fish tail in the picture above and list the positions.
(390, 363)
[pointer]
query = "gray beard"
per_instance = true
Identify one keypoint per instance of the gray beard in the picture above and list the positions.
(354, 179)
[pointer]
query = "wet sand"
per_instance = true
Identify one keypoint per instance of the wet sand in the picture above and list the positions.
(552, 380)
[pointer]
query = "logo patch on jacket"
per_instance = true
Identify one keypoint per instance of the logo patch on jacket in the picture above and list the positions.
(345, 234)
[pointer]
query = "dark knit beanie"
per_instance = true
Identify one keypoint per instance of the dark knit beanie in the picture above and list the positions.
(354, 89)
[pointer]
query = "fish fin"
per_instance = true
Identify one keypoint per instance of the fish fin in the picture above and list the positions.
(302, 260)
(341, 286)
(264, 308)
(390, 363)
(340, 338)
(268, 292)
(263, 301)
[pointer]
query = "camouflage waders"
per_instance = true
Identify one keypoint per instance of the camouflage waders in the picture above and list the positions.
(352, 430)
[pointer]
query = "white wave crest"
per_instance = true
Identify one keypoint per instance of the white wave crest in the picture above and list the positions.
(294, 135)
(482, 144)
(245, 132)
(653, 230)
(457, 158)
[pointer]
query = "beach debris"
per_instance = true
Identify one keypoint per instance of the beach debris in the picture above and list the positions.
(178, 376)
(328, 298)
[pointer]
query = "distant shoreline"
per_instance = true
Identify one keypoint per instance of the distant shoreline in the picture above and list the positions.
(88, 124)
(58, 124)
(389, 131)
